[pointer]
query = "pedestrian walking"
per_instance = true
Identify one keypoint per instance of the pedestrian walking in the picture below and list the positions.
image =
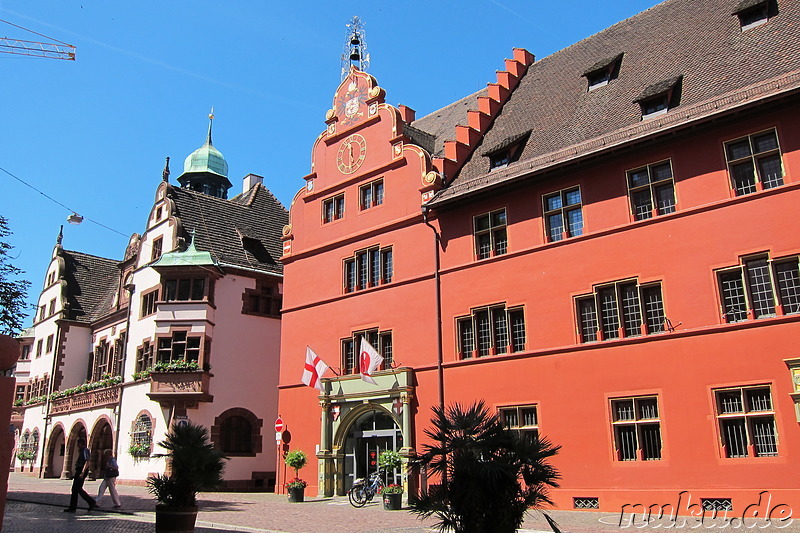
(81, 471)
(110, 472)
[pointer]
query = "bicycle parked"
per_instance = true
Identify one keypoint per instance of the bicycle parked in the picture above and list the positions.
(363, 490)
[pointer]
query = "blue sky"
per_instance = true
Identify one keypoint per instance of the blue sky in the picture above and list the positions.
(93, 133)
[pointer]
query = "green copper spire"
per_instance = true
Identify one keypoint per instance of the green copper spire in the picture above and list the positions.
(205, 170)
(190, 257)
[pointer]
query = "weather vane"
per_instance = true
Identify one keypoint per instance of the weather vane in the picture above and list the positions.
(355, 48)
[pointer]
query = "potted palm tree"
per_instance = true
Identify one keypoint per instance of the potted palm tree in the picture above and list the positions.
(296, 487)
(193, 465)
(389, 461)
(490, 475)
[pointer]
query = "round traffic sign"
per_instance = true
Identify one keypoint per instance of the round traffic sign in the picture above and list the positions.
(279, 425)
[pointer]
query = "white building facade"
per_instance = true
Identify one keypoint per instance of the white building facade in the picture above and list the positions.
(186, 327)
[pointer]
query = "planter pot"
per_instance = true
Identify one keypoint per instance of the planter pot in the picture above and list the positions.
(296, 494)
(175, 519)
(393, 502)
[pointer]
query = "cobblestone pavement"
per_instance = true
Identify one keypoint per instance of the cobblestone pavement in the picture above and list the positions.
(35, 505)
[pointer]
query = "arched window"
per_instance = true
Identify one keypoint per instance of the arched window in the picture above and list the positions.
(34, 443)
(237, 431)
(236, 435)
(141, 436)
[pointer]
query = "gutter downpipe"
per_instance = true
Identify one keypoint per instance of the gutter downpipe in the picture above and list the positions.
(118, 409)
(438, 285)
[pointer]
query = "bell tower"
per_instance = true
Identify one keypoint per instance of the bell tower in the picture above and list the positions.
(205, 170)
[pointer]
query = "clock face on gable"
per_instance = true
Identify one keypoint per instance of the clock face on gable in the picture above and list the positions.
(351, 153)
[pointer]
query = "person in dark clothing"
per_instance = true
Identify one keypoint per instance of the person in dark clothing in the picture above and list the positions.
(81, 471)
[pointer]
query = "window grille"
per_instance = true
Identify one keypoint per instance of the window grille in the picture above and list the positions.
(788, 279)
(333, 208)
(523, 419)
(585, 503)
(142, 434)
(491, 330)
(609, 313)
(652, 190)
(371, 194)
(747, 422)
(757, 286)
(716, 504)
(490, 233)
(754, 160)
(563, 214)
(517, 330)
(637, 428)
(368, 268)
(616, 309)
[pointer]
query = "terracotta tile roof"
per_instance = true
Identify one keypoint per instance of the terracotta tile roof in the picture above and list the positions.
(244, 231)
(91, 281)
(720, 65)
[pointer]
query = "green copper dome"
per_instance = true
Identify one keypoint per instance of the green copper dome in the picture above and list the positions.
(206, 159)
(205, 170)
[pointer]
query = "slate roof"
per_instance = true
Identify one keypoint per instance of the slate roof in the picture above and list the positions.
(698, 40)
(243, 232)
(91, 282)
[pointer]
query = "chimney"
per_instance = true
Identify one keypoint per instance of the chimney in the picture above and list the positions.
(407, 114)
(250, 181)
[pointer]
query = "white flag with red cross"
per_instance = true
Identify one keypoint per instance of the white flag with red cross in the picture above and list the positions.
(314, 369)
(369, 361)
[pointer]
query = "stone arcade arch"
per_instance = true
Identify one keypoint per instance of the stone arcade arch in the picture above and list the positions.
(78, 431)
(102, 438)
(54, 463)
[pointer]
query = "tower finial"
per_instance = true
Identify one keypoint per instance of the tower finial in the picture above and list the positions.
(210, 123)
(60, 235)
(355, 53)
(165, 172)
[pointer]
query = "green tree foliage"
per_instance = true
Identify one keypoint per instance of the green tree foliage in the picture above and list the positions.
(12, 291)
(491, 475)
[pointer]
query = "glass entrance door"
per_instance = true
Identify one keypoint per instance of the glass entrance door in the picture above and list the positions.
(371, 434)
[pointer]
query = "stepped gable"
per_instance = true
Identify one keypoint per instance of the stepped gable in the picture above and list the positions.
(90, 281)
(459, 127)
(442, 122)
(244, 231)
(721, 67)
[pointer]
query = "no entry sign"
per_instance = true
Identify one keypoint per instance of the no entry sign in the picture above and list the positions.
(279, 425)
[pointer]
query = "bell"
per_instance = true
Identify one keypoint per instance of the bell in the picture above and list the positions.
(355, 55)
(355, 40)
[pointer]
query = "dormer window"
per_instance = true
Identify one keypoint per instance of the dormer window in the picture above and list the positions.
(499, 159)
(603, 72)
(507, 151)
(754, 13)
(661, 97)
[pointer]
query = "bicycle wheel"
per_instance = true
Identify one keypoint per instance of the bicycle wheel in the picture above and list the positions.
(357, 497)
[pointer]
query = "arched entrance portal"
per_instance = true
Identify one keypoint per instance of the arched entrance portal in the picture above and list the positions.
(369, 435)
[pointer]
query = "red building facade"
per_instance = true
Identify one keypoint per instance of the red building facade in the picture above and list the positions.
(602, 245)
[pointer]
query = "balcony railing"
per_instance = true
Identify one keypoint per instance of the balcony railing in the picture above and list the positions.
(86, 400)
(180, 386)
